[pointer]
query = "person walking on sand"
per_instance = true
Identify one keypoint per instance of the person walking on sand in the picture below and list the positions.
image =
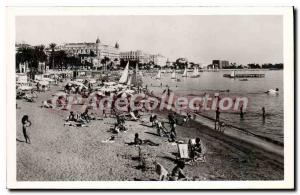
(217, 117)
(173, 133)
(26, 123)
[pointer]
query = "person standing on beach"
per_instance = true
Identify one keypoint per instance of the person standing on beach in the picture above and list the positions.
(26, 123)
(241, 112)
(217, 117)
(173, 130)
(263, 112)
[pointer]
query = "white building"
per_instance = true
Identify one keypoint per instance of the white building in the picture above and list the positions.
(136, 55)
(92, 52)
(159, 60)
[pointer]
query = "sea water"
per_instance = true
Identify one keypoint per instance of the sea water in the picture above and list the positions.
(254, 88)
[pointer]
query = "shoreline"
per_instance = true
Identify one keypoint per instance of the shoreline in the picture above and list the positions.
(262, 142)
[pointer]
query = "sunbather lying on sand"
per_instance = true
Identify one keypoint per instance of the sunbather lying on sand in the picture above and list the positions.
(132, 116)
(138, 141)
(45, 104)
(75, 124)
(111, 139)
(119, 127)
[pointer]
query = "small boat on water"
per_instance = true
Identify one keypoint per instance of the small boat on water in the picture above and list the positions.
(184, 73)
(273, 91)
(158, 76)
(195, 73)
(243, 80)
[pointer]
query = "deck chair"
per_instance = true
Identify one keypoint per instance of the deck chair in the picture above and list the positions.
(133, 117)
(183, 151)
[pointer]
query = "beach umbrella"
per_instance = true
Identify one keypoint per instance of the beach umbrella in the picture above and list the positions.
(92, 81)
(43, 82)
(25, 88)
(48, 79)
(99, 93)
(109, 83)
(79, 80)
(60, 94)
(121, 86)
(109, 89)
(76, 83)
(124, 94)
(129, 91)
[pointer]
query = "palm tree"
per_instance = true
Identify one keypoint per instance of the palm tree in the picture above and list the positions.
(52, 46)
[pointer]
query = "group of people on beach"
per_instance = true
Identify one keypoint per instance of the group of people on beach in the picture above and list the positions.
(220, 124)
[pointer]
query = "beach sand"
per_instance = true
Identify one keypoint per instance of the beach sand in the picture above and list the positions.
(64, 153)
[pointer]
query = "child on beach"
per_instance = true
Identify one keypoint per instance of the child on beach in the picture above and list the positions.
(26, 123)
(72, 117)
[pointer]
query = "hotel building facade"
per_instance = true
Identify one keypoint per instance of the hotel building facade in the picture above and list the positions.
(92, 52)
(143, 58)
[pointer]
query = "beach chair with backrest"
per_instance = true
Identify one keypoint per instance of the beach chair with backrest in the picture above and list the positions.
(183, 152)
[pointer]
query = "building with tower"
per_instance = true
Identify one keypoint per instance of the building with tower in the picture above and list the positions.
(93, 52)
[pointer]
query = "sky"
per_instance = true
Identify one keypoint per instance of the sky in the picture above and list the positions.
(201, 39)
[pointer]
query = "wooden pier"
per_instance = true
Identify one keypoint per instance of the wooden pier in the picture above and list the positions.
(244, 75)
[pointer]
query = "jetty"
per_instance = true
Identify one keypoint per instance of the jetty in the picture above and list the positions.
(245, 75)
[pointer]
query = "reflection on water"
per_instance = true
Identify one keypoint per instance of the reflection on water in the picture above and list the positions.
(254, 88)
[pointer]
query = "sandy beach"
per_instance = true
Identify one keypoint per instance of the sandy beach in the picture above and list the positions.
(65, 153)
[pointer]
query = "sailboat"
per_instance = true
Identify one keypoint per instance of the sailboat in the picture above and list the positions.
(141, 74)
(184, 73)
(195, 73)
(158, 76)
(173, 75)
(129, 81)
(124, 76)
